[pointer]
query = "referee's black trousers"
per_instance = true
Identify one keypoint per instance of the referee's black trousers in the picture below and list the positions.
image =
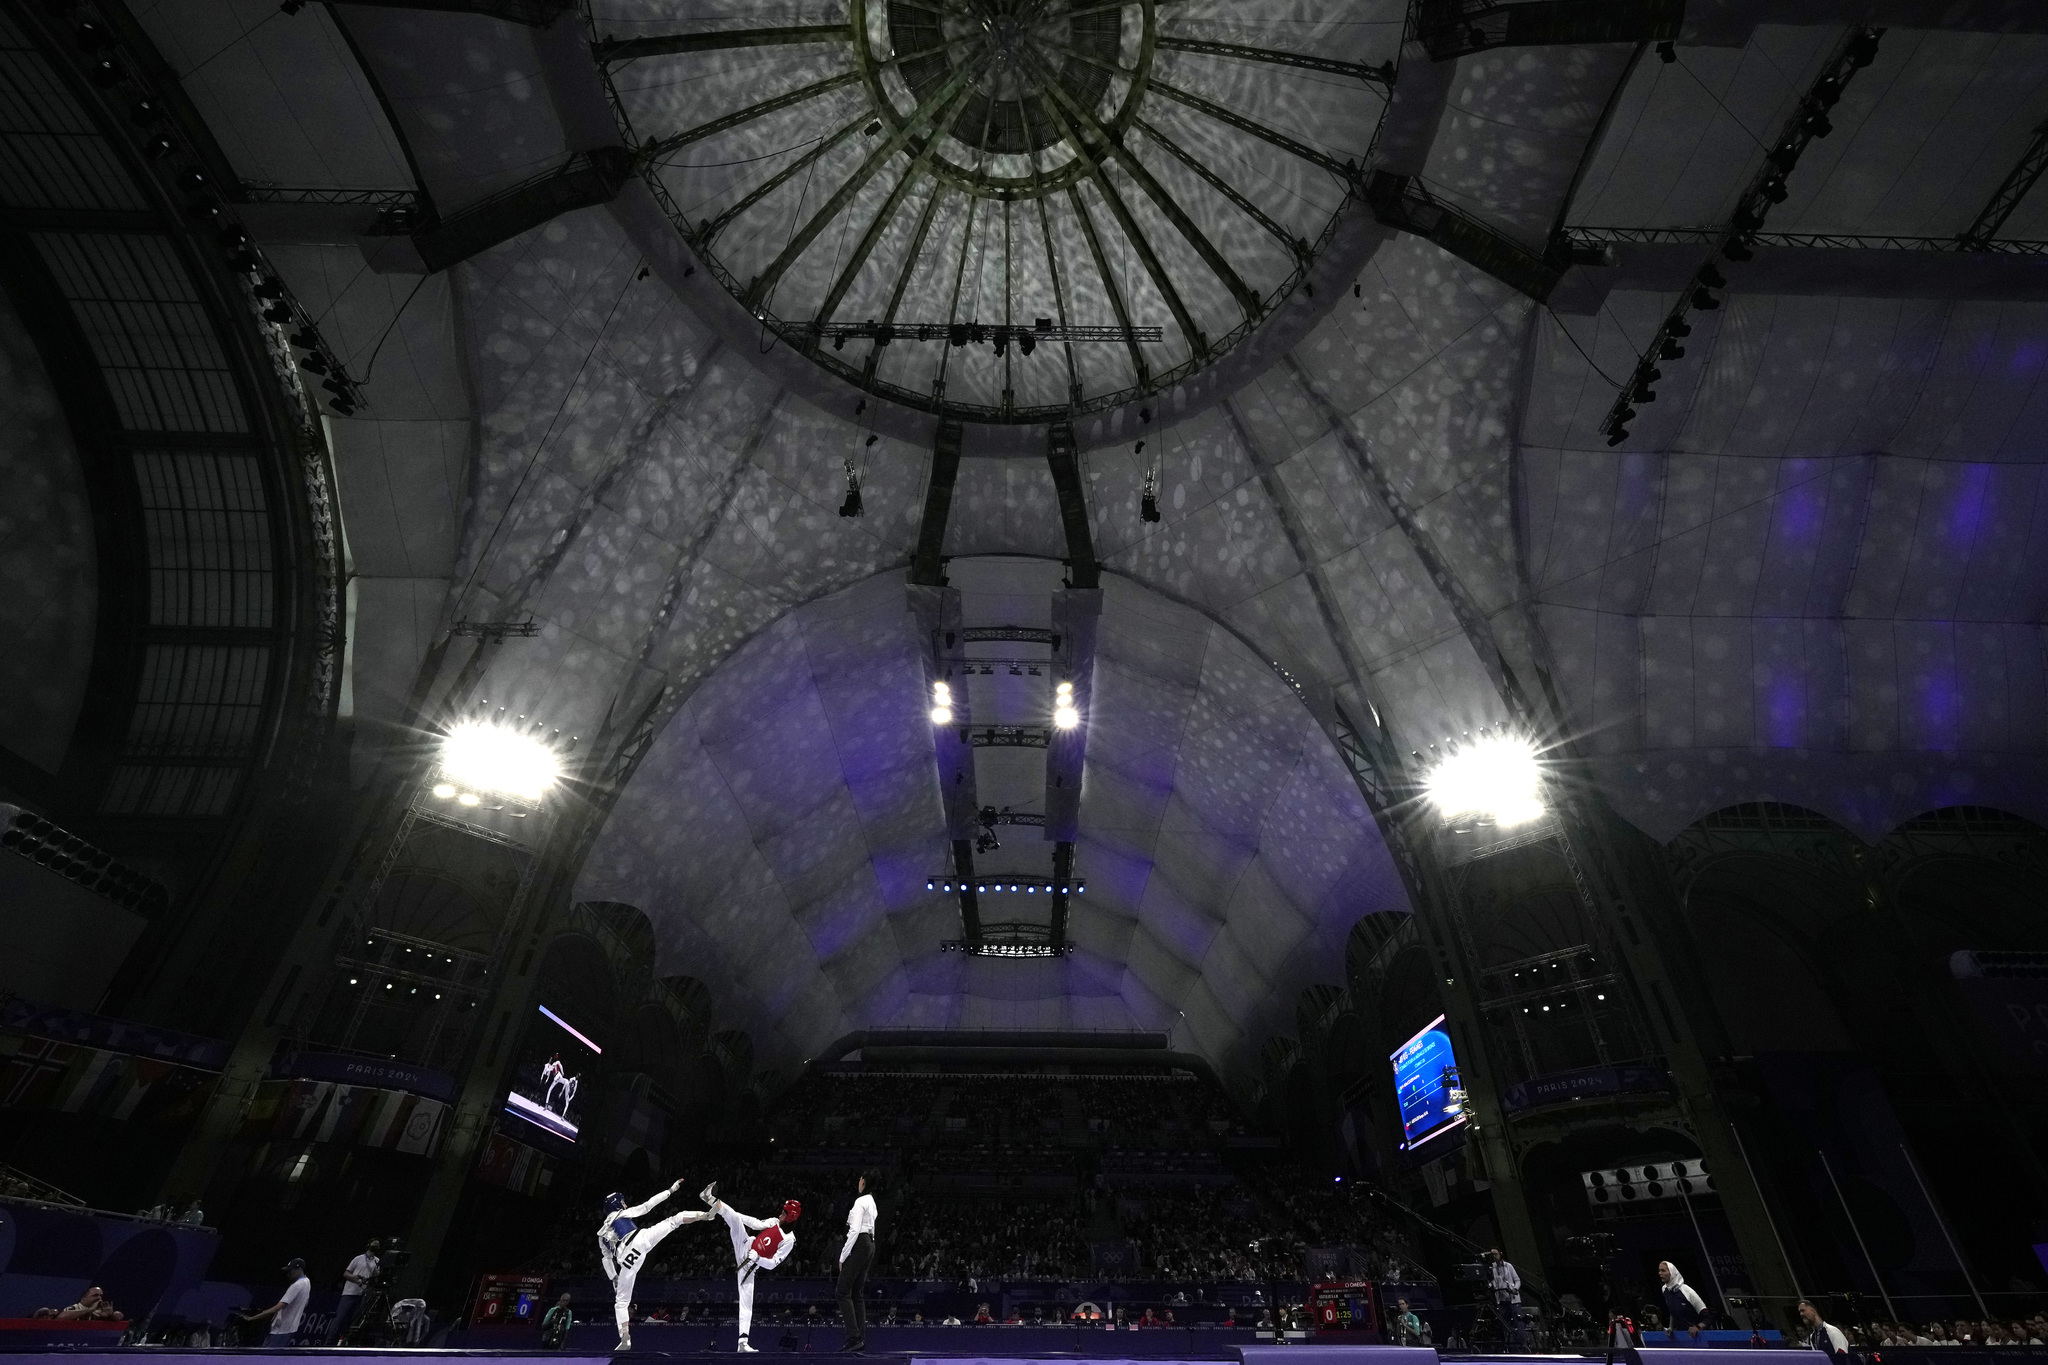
(853, 1275)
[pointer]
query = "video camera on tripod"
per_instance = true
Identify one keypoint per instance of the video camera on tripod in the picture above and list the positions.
(376, 1321)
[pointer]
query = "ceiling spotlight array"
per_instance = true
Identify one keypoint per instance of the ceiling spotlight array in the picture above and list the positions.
(1809, 121)
(942, 702)
(985, 887)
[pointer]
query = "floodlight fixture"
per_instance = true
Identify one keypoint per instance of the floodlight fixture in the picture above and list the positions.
(444, 790)
(1065, 717)
(1065, 689)
(1497, 777)
(942, 715)
(486, 757)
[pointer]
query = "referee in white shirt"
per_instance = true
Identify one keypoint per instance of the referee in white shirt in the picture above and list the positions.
(854, 1259)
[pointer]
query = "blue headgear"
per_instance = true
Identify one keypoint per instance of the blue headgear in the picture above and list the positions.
(614, 1202)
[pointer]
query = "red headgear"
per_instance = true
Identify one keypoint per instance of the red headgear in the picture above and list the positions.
(791, 1211)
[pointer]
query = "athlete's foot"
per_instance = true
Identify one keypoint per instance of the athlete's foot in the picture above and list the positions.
(625, 1344)
(709, 1194)
(745, 1348)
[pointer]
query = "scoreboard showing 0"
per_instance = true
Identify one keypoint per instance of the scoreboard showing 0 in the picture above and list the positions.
(1350, 1306)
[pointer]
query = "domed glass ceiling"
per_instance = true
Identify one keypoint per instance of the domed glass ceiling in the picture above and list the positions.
(1006, 210)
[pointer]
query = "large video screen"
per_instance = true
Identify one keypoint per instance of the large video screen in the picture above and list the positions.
(548, 1083)
(1424, 1070)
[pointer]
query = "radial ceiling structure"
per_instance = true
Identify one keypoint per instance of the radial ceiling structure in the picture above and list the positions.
(1003, 210)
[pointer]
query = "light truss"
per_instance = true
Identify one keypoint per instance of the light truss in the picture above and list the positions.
(1808, 120)
(1010, 737)
(1382, 75)
(973, 333)
(1011, 939)
(1585, 236)
(2010, 191)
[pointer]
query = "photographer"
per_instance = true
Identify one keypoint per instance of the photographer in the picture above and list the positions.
(361, 1271)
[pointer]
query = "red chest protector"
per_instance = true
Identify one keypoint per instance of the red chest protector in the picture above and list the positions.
(767, 1242)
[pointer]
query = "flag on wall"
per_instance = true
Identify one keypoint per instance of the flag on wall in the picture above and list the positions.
(42, 1073)
(359, 1115)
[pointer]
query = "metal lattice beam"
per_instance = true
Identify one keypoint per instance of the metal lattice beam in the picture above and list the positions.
(1588, 236)
(946, 97)
(976, 332)
(1382, 75)
(1399, 201)
(884, 215)
(1218, 264)
(1140, 243)
(1344, 170)
(614, 50)
(661, 147)
(708, 231)
(1977, 237)
(925, 566)
(1109, 285)
(1294, 244)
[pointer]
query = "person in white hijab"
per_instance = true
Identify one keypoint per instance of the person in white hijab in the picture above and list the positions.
(1683, 1307)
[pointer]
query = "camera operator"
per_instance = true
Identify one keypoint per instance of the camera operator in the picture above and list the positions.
(1505, 1281)
(357, 1278)
(370, 1325)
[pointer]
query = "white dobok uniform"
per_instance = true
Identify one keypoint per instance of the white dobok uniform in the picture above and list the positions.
(746, 1261)
(624, 1246)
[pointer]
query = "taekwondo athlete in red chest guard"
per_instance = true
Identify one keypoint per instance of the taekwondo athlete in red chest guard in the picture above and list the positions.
(757, 1244)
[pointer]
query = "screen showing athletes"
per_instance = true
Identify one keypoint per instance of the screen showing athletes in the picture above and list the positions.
(1425, 1075)
(556, 1058)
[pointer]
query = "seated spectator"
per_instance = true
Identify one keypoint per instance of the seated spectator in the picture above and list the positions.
(1148, 1320)
(950, 1321)
(982, 1315)
(92, 1306)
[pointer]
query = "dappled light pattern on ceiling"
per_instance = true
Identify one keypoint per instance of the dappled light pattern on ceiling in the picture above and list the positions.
(642, 491)
(780, 832)
(978, 162)
(1279, 507)
(1825, 582)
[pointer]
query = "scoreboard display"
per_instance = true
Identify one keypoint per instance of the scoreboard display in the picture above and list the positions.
(1425, 1071)
(1349, 1306)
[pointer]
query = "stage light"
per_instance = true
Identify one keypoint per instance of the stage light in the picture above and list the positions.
(942, 715)
(931, 886)
(444, 790)
(469, 799)
(1065, 717)
(1065, 689)
(1496, 776)
(494, 759)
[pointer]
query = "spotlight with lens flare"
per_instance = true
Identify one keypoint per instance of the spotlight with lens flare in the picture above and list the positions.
(479, 756)
(1496, 777)
(1063, 713)
(942, 702)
